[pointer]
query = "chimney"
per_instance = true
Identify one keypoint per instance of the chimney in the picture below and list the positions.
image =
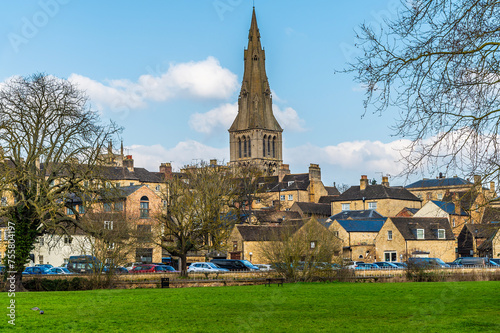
(110, 147)
(166, 169)
(492, 187)
(477, 183)
(385, 181)
(363, 183)
(283, 171)
(213, 162)
(314, 172)
(128, 163)
(456, 202)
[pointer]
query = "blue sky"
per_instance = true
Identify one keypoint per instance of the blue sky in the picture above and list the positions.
(169, 72)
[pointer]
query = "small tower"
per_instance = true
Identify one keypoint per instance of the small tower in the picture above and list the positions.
(255, 136)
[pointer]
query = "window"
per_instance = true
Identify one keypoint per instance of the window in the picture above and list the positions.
(144, 255)
(106, 207)
(372, 205)
(111, 246)
(165, 203)
(4, 201)
(81, 209)
(440, 196)
(235, 245)
(158, 187)
(290, 197)
(313, 244)
(144, 208)
(118, 184)
(108, 225)
(336, 233)
(118, 206)
(454, 224)
(68, 240)
(390, 256)
(41, 241)
(429, 195)
(290, 183)
(346, 206)
(69, 211)
(257, 201)
(441, 234)
(389, 234)
(282, 197)
(131, 184)
(420, 233)
(40, 260)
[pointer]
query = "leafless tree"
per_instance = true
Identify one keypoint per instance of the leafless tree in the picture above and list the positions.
(437, 62)
(197, 216)
(51, 142)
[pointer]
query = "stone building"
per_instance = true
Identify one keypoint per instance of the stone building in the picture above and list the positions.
(456, 216)
(255, 137)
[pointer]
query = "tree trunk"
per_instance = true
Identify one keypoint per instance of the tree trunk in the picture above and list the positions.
(183, 257)
(14, 282)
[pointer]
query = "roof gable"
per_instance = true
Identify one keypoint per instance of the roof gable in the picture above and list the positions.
(440, 182)
(362, 225)
(408, 226)
(372, 192)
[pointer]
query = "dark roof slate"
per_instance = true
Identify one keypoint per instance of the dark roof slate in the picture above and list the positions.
(275, 216)
(440, 182)
(372, 192)
(448, 207)
(332, 190)
(315, 208)
(327, 199)
(408, 226)
(357, 215)
(254, 233)
(491, 214)
(483, 230)
(362, 225)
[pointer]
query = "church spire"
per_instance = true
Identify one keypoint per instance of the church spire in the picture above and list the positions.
(255, 135)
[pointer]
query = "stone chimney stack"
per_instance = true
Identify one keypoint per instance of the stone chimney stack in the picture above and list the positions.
(456, 202)
(314, 172)
(283, 171)
(385, 181)
(477, 183)
(128, 163)
(166, 169)
(363, 183)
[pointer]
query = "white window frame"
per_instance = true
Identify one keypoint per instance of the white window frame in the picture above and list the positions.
(290, 183)
(440, 196)
(389, 255)
(4, 201)
(372, 205)
(290, 197)
(312, 245)
(282, 197)
(420, 234)
(346, 206)
(441, 234)
(389, 234)
(108, 225)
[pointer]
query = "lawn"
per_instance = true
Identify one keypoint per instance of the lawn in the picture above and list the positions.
(313, 307)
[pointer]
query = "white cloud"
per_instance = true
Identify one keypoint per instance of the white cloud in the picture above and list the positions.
(218, 119)
(289, 119)
(184, 153)
(204, 79)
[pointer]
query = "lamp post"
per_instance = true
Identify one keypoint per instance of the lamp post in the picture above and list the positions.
(250, 254)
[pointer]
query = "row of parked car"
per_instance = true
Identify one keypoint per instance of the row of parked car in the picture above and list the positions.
(429, 263)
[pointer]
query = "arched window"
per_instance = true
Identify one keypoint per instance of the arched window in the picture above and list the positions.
(244, 146)
(269, 146)
(274, 146)
(239, 147)
(144, 208)
(249, 148)
(264, 146)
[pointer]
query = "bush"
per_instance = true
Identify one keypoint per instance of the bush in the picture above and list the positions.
(43, 284)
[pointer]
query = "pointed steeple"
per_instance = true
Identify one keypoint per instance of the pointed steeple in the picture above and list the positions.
(255, 135)
(255, 101)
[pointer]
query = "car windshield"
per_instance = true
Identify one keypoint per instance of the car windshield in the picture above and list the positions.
(247, 263)
(211, 264)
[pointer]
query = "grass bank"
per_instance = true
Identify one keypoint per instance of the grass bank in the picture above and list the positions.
(311, 307)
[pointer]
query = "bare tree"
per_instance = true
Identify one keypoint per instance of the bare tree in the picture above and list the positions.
(197, 215)
(437, 62)
(51, 142)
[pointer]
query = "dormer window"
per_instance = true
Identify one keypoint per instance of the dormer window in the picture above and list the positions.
(441, 234)
(290, 183)
(420, 234)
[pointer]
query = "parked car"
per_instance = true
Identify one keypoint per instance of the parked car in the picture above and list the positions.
(59, 270)
(264, 267)
(151, 268)
(352, 264)
(206, 267)
(48, 266)
(131, 265)
(473, 261)
(386, 265)
(365, 265)
(116, 270)
(427, 263)
(401, 265)
(496, 261)
(84, 264)
(36, 270)
(235, 265)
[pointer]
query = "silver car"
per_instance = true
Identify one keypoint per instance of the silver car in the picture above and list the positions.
(206, 267)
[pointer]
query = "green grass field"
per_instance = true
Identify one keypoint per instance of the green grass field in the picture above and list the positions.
(314, 307)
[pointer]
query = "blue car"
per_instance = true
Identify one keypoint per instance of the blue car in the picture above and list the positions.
(364, 265)
(36, 271)
(386, 265)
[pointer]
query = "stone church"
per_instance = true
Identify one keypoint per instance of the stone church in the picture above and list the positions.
(255, 137)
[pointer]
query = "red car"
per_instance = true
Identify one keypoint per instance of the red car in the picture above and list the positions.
(150, 268)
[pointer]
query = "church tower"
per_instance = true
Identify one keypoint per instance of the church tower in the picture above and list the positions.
(255, 137)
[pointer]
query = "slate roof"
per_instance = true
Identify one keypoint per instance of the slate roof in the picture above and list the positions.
(275, 216)
(362, 225)
(314, 208)
(491, 214)
(448, 207)
(483, 230)
(440, 182)
(357, 215)
(332, 190)
(327, 199)
(139, 174)
(408, 226)
(255, 233)
(292, 182)
(372, 192)
(467, 198)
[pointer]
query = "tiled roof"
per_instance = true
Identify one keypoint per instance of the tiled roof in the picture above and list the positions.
(292, 182)
(327, 199)
(440, 182)
(139, 174)
(266, 233)
(275, 216)
(448, 207)
(332, 190)
(408, 226)
(483, 230)
(372, 192)
(467, 198)
(357, 215)
(362, 225)
(315, 208)
(491, 214)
